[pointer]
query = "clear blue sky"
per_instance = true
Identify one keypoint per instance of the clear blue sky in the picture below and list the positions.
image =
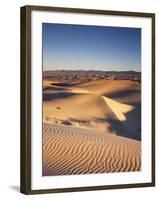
(75, 47)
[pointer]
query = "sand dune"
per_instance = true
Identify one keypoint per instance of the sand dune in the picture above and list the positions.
(100, 110)
(118, 108)
(69, 150)
(91, 127)
(124, 91)
(84, 110)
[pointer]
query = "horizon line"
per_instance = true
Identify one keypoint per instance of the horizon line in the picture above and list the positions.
(92, 70)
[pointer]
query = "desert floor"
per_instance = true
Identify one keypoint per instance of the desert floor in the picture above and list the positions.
(91, 127)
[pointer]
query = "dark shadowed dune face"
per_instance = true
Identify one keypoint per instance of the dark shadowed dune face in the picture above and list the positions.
(62, 84)
(58, 95)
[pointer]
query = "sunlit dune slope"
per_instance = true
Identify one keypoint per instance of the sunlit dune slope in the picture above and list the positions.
(124, 91)
(87, 110)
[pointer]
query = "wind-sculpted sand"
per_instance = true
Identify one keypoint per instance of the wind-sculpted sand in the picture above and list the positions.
(91, 127)
(69, 150)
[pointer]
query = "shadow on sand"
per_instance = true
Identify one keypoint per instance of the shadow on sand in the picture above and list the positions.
(62, 84)
(57, 95)
(131, 128)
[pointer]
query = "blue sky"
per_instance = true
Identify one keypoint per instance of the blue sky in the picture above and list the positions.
(76, 47)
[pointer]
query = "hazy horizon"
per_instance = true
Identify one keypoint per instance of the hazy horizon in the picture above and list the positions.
(98, 48)
(91, 70)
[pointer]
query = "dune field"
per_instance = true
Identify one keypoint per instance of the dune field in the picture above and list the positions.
(91, 126)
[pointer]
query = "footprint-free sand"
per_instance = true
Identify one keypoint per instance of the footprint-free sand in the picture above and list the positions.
(91, 127)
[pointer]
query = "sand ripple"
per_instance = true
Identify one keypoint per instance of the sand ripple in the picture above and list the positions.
(70, 150)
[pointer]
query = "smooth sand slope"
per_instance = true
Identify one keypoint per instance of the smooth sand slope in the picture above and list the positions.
(124, 91)
(91, 127)
(69, 150)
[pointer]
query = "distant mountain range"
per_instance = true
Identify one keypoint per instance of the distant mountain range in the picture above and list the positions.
(94, 73)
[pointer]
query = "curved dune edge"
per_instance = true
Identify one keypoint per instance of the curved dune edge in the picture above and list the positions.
(68, 150)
